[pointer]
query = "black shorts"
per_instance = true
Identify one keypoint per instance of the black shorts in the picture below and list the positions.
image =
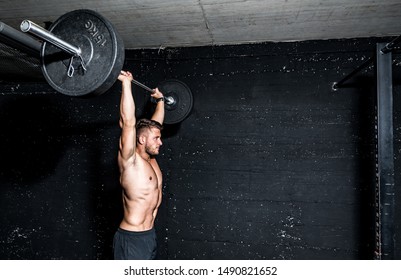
(134, 245)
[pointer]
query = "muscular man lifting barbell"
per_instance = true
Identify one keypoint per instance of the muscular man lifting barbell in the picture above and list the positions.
(140, 176)
(82, 55)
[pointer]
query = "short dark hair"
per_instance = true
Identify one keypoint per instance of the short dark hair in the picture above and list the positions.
(143, 124)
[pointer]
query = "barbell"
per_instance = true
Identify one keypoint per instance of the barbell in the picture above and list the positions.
(82, 55)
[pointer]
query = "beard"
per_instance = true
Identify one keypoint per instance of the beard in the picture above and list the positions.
(152, 151)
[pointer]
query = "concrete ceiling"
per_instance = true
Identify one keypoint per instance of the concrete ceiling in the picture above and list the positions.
(180, 23)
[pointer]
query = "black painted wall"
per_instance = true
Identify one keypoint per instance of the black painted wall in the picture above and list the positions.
(270, 164)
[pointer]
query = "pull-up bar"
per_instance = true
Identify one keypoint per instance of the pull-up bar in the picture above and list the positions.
(386, 49)
(390, 46)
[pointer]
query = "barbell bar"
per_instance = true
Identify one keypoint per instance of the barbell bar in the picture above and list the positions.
(40, 32)
(33, 28)
(169, 99)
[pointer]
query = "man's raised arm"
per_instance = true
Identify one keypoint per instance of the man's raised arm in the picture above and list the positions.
(127, 117)
(158, 114)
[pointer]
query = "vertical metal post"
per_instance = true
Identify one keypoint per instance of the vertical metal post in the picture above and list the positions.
(385, 152)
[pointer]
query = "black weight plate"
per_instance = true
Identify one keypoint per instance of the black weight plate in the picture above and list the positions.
(102, 51)
(183, 101)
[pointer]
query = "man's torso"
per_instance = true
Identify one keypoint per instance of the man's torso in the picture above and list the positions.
(141, 182)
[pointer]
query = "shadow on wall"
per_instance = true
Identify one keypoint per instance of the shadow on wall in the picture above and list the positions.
(30, 138)
(365, 133)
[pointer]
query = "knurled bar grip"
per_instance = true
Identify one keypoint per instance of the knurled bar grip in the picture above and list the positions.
(31, 27)
(169, 99)
(142, 86)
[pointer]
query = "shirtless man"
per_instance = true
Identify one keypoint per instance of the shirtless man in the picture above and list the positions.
(140, 176)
